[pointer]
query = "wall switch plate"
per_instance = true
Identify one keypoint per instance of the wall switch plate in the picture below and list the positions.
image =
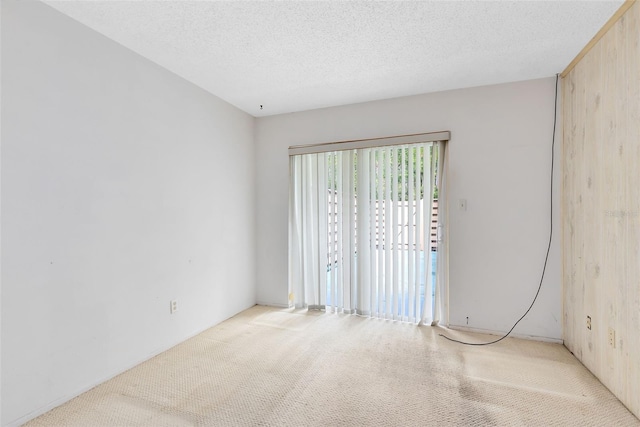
(173, 306)
(612, 337)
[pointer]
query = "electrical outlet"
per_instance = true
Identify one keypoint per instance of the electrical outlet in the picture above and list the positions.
(612, 337)
(173, 306)
(589, 322)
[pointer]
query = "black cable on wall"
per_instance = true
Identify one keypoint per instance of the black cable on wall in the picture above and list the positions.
(546, 258)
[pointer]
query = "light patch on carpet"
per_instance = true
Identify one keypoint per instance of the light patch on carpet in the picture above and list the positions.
(271, 367)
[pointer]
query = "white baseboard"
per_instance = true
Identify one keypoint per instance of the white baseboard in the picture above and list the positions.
(272, 304)
(499, 334)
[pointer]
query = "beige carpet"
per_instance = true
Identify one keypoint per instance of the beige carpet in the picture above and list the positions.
(270, 367)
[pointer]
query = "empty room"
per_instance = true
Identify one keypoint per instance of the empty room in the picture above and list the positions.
(292, 213)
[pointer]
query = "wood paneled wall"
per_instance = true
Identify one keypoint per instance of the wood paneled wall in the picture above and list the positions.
(601, 208)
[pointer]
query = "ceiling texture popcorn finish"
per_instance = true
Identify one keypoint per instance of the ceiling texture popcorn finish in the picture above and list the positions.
(294, 56)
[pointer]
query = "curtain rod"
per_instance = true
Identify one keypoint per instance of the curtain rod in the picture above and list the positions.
(369, 143)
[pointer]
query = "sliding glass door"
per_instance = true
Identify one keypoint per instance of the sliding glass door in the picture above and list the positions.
(363, 230)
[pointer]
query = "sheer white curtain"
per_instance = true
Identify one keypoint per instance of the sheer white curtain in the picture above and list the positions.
(360, 231)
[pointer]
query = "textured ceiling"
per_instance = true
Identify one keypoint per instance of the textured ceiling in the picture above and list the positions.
(293, 56)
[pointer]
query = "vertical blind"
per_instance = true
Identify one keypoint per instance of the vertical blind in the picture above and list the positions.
(360, 230)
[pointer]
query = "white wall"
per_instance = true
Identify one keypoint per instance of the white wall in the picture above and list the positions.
(499, 162)
(123, 187)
